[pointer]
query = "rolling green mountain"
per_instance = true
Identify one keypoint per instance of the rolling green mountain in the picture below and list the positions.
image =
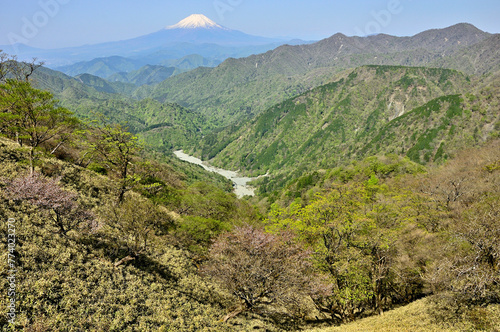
(241, 87)
(238, 89)
(192, 61)
(137, 71)
(69, 88)
(106, 86)
(145, 75)
(421, 113)
(477, 59)
(102, 67)
(161, 125)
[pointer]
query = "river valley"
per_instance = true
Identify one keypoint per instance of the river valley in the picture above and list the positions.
(240, 184)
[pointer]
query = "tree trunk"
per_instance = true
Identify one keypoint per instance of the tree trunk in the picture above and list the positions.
(380, 310)
(234, 313)
(32, 160)
(123, 188)
(125, 259)
(57, 147)
(121, 194)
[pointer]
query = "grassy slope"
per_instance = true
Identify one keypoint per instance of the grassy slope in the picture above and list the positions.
(71, 284)
(417, 317)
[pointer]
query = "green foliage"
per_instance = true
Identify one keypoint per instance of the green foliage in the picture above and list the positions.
(114, 148)
(196, 233)
(31, 116)
(370, 113)
(355, 230)
(134, 228)
(97, 168)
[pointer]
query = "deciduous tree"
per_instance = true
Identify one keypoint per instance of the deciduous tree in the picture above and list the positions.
(115, 147)
(134, 222)
(262, 269)
(355, 229)
(32, 117)
(59, 205)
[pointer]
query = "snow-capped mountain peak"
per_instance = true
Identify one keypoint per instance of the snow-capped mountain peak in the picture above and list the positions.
(196, 21)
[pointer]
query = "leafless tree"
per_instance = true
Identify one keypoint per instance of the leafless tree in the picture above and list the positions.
(59, 205)
(262, 269)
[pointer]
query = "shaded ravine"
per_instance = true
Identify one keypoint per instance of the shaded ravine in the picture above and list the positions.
(241, 188)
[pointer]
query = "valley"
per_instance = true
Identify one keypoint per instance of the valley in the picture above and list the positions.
(241, 187)
(202, 179)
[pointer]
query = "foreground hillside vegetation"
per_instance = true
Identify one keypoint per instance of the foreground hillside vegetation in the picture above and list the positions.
(354, 229)
(418, 316)
(88, 262)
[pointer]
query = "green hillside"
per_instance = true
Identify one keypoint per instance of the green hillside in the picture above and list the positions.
(105, 86)
(417, 112)
(146, 75)
(418, 317)
(102, 67)
(71, 281)
(241, 87)
(189, 62)
(478, 59)
(162, 126)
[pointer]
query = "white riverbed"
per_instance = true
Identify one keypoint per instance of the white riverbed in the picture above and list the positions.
(241, 187)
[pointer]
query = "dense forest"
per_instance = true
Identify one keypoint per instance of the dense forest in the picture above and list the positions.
(381, 195)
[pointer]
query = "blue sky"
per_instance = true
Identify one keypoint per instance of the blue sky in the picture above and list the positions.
(62, 23)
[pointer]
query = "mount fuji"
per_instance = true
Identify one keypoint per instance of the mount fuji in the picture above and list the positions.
(199, 29)
(196, 21)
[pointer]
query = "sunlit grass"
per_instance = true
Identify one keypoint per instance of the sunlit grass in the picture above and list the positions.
(417, 316)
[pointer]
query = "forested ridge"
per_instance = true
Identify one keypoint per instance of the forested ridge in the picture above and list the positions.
(380, 204)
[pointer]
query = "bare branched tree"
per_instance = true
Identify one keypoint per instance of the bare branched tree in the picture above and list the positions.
(261, 269)
(59, 205)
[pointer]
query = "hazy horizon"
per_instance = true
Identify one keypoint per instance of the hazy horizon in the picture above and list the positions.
(67, 23)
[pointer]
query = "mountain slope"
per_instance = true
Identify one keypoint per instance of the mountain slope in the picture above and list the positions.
(145, 76)
(417, 112)
(419, 316)
(191, 61)
(238, 86)
(103, 85)
(162, 125)
(126, 70)
(477, 59)
(102, 67)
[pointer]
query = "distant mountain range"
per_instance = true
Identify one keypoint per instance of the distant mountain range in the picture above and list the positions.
(116, 68)
(172, 42)
(243, 87)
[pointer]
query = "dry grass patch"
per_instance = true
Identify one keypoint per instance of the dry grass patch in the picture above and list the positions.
(417, 316)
